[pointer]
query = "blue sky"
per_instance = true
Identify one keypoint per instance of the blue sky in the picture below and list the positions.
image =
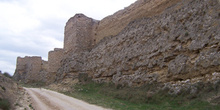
(34, 27)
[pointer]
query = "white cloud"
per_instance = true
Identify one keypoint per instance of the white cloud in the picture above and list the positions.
(7, 67)
(16, 18)
(9, 53)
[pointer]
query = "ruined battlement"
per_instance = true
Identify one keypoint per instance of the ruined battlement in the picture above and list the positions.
(30, 69)
(54, 63)
(79, 33)
(150, 41)
(54, 58)
(28, 62)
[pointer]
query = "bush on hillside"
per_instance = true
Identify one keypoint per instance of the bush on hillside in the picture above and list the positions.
(4, 104)
(7, 75)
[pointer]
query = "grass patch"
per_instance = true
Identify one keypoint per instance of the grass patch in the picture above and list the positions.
(139, 98)
(4, 104)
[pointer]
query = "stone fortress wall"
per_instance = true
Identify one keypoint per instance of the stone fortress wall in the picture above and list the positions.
(54, 59)
(79, 33)
(150, 41)
(182, 43)
(170, 42)
(114, 24)
(29, 69)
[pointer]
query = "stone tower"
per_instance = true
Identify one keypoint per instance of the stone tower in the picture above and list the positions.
(54, 63)
(79, 33)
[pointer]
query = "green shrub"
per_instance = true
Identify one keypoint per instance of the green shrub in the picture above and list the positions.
(7, 75)
(186, 34)
(4, 104)
(3, 88)
(31, 106)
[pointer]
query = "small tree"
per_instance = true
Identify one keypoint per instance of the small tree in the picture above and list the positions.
(7, 75)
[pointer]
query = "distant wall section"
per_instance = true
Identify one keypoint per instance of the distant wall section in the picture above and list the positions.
(30, 69)
(54, 62)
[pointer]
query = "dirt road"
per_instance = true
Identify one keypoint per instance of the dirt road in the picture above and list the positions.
(43, 99)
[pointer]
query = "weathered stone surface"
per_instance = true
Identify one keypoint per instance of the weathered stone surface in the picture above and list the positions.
(54, 63)
(30, 69)
(178, 44)
(195, 85)
(151, 41)
(79, 33)
(114, 24)
(178, 65)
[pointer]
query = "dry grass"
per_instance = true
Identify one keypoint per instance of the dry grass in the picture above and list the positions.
(139, 98)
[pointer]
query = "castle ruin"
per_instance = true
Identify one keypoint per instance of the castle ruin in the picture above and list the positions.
(30, 69)
(79, 37)
(79, 33)
(150, 41)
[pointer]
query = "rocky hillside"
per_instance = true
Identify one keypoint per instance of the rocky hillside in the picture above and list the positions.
(8, 89)
(12, 96)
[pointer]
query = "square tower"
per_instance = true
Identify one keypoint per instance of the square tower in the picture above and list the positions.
(79, 33)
